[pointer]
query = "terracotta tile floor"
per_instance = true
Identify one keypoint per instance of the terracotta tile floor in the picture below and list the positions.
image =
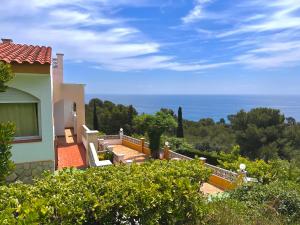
(69, 153)
(210, 189)
(129, 153)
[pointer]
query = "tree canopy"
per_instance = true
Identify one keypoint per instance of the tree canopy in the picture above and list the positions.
(258, 132)
(111, 117)
(155, 126)
(179, 132)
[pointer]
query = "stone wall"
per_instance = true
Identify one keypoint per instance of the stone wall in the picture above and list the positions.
(26, 172)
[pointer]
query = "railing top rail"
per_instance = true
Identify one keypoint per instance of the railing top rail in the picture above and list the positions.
(85, 128)
(221, 169)
(180, 155)
(134, 140)
(109, 137)
(227, 174)
(88, 131)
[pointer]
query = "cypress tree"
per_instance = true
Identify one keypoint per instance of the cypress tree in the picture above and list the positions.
(95, 118)
(180, 125)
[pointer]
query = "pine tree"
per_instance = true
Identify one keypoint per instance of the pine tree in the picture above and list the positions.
(180, 125)
(95, 118)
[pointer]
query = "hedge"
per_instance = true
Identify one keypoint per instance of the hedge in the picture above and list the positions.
(158, 192)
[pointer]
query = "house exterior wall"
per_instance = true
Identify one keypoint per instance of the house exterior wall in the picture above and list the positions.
(69, 118)
(69, 94)
(75, 93)
(59, 118)
(38, 85)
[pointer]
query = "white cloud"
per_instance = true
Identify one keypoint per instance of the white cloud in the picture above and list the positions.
(71, 17)
(198, 13)
(87, 31)
(279, 14)
(268, 39)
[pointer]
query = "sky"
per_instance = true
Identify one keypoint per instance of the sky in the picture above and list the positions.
(166, 46)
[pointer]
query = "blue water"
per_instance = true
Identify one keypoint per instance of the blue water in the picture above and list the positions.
(196, 107)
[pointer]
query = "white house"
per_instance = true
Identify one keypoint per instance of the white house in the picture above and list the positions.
(40, 105)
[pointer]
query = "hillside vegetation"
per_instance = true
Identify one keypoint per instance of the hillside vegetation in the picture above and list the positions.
(261, 133)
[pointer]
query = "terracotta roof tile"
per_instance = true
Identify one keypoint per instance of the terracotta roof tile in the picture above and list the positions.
(10, 52)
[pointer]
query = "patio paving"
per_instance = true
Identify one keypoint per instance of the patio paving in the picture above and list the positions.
(129, 153)
(69, 153)
(210, 189)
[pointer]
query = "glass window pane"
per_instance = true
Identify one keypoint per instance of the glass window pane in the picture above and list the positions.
(24, 115)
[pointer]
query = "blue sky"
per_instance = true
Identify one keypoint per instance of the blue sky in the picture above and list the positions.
(166, 47)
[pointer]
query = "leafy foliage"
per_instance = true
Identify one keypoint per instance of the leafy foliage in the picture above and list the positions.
(261, 133)
(179, 132)
(6, 137)
(206, 135)
(258, 131)
(281, 197)
(95, 117)
(155, 126)
(231, 211)
(275, 170)
(110, 117)
(159, 192)
(6, 74)
(107, 155)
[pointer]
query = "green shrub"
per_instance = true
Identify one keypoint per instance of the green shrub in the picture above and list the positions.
(228, 211)
(155, 126)
(265, 172)
(283, 198)
(158, 192)
(108, 155)
(6, 74)
(7, 131)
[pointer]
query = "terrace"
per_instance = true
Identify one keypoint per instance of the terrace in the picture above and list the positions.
(127, 150)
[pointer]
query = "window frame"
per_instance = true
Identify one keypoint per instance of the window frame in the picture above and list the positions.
(27, 139)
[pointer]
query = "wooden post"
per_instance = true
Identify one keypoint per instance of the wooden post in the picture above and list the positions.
(142, 144)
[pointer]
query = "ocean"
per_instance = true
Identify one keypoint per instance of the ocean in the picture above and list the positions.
(196, 107)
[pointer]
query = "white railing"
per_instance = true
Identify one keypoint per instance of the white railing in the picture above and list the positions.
(132, 140)
(227, 174)
(173, 155)
(218, 171)
(88, 137)
(109, 137)
(93, 158)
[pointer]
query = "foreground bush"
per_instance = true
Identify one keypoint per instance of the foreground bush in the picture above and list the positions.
(283, 198)
(157, 192)
(6, 137)
(152, 193)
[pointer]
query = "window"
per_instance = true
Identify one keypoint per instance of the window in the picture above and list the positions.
(24, 115)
